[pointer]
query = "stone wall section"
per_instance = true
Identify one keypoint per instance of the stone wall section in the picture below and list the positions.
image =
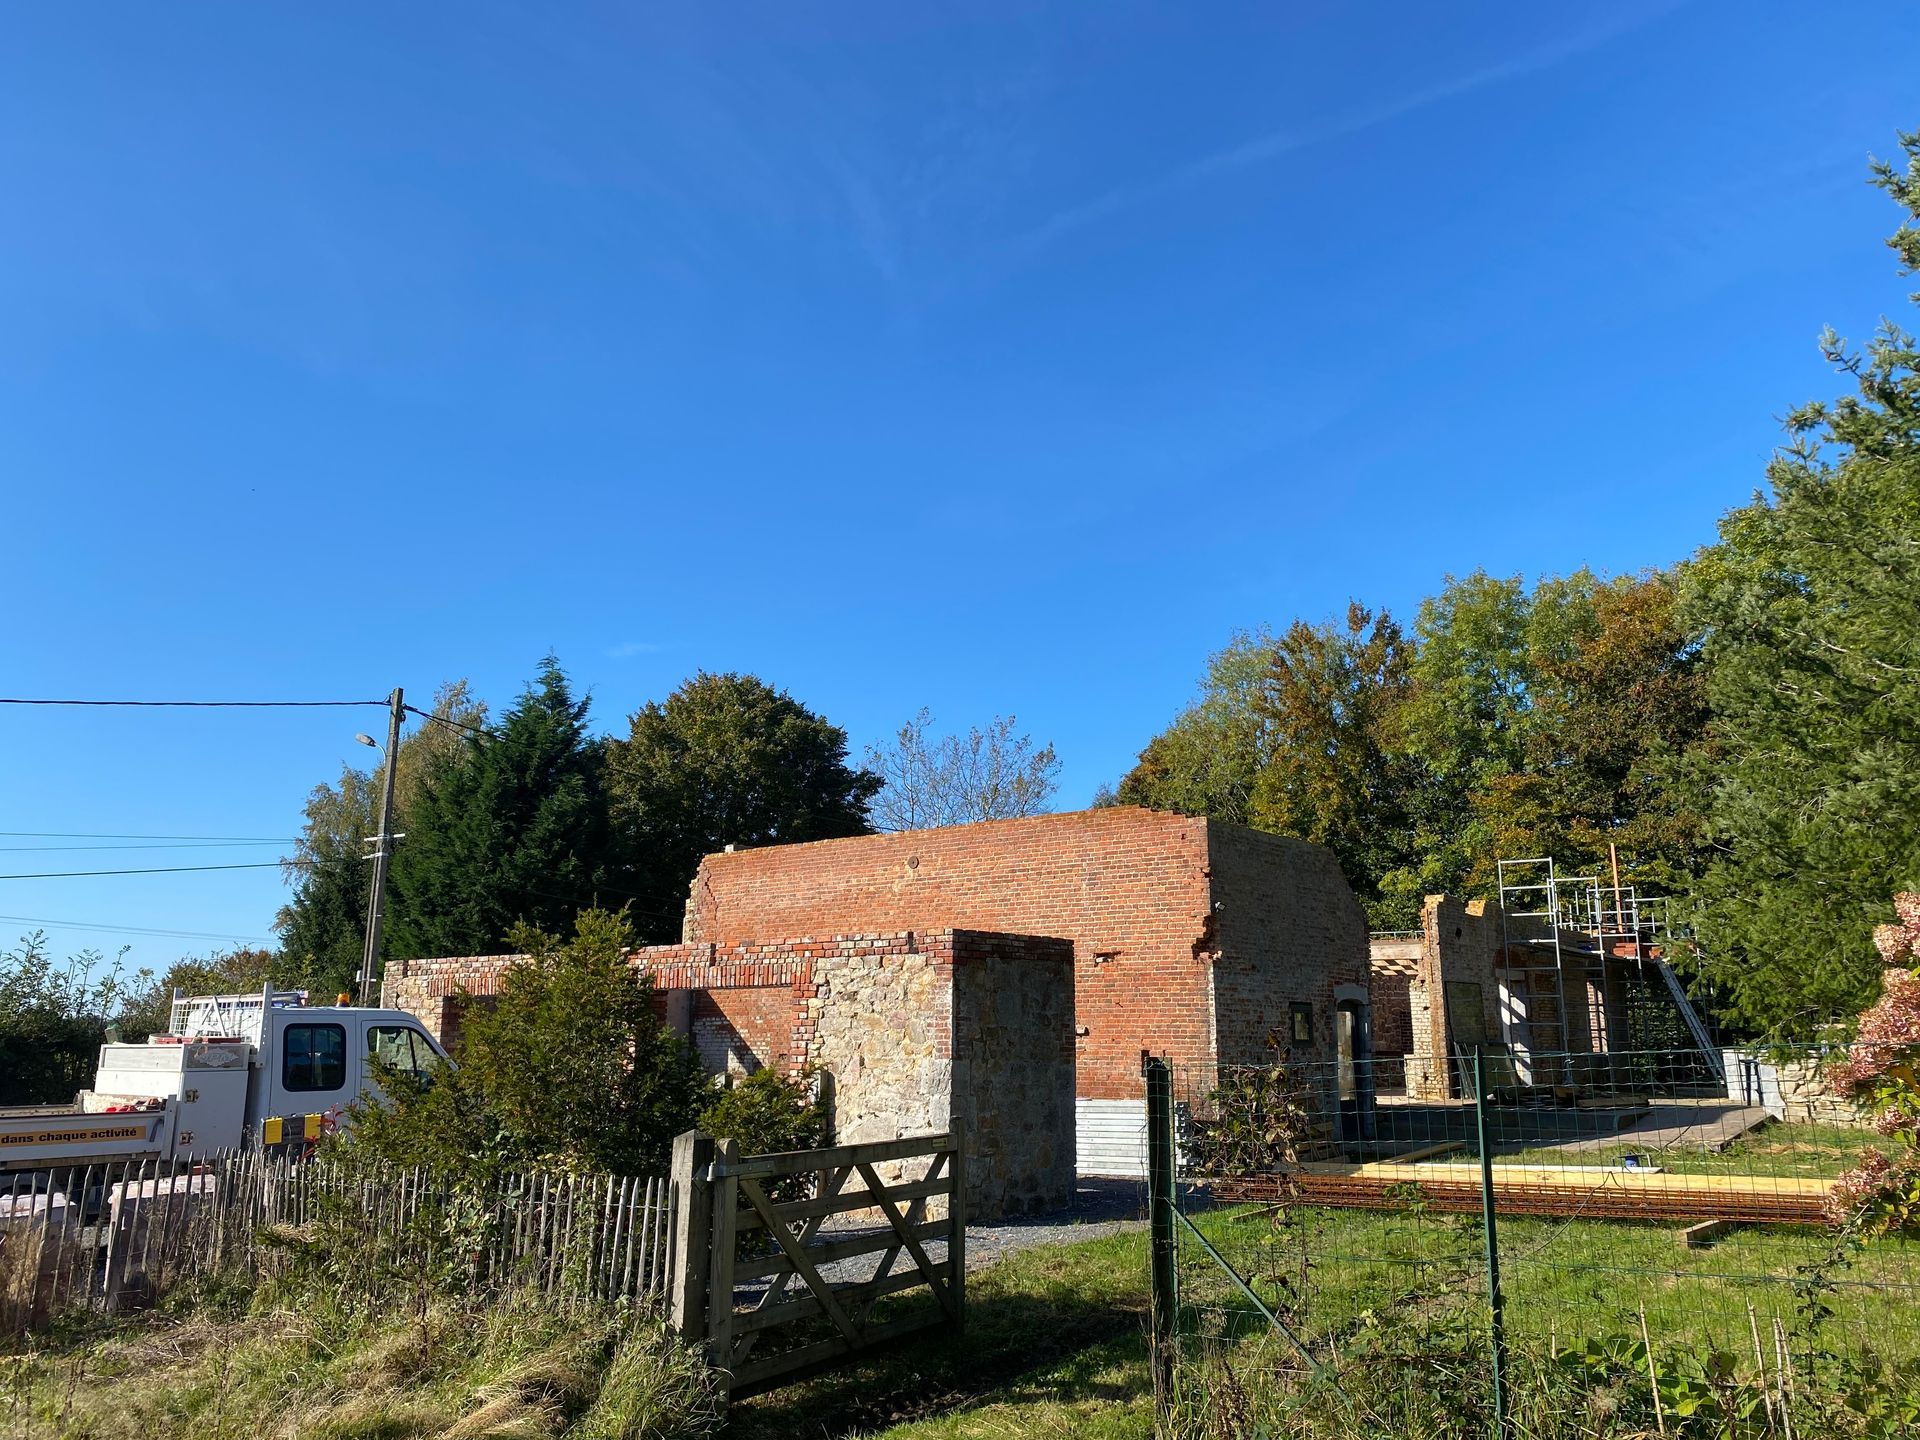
(913, 1034)
(435, 991)
(1013, 1069)
(882, 1028)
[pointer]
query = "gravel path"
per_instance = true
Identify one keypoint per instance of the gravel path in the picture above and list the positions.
(1100, 1207)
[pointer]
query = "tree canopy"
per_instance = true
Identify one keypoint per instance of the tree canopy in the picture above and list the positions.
(724, 760)
(1513, 721)
(1809, 613)
(514, 832)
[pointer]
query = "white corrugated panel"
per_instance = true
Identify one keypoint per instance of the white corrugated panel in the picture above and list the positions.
(1112, 1137)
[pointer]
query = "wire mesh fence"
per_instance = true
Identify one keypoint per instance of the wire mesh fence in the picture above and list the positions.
(1568, 1244)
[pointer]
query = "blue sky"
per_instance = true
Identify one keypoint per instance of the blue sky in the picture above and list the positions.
(996, 361)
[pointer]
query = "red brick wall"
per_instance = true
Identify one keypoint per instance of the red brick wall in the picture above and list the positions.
(1128, 887)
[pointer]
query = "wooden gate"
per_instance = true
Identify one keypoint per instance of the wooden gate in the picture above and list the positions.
(786, 1239)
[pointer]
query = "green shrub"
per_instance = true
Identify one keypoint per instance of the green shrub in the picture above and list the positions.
(766, 1113)
(568, 1069)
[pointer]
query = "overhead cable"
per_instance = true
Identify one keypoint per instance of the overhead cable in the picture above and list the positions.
(97, 835)
(148, 930)
(160, 870)
(200, 704)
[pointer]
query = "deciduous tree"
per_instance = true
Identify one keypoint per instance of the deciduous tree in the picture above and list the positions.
(1207, 760)
(1336, 774)
(725, 760)
(990, 774)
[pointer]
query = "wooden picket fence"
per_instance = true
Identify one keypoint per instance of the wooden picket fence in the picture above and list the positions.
(114, 1236)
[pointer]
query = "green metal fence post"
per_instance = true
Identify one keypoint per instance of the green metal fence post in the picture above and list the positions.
(1161, 1200)
(1488, 1224)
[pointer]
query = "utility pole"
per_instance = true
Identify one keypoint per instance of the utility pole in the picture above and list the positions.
(383, 849)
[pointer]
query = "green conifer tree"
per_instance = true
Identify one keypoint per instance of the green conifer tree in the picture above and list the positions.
(516, 833)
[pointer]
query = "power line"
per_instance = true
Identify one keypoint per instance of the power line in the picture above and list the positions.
(189, 845)
(450, 721)
(93, 835)
(149, 930)
(161, 870)
(201, 704)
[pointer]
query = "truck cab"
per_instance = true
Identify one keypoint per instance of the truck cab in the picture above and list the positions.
(231, 1071)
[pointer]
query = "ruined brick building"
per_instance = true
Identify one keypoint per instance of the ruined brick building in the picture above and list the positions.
(1113, 931)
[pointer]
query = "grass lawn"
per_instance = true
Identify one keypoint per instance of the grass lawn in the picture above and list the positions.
(1776, 1149)
(1572, 1279)
(1056, 1339)
(1055, 1343)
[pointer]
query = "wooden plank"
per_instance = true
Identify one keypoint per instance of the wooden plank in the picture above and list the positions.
(914, 1248)
(663, 1239)
(868, 1243)
(828, 1182)
(791, 1211)
(726, 1207)
(796, 1162)
(863, 1292)
(797, 1253)
(957, 1237)
(692, 1199)
(640, 1255)
(1656, 1181)
(1425, 1152)
(916, 1211)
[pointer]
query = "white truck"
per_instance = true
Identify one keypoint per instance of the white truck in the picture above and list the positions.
(232, 1070)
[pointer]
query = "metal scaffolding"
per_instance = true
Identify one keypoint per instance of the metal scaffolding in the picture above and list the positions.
(1575, 919)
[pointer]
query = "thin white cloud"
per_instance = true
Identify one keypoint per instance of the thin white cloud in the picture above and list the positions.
(627, 649)
(1276, 143)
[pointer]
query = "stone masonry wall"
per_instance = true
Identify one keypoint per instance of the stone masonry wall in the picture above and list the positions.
(883, 1030)
(1013, 1069)
(881, 1017)
(433, 990)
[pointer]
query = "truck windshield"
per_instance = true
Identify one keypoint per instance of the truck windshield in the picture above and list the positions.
(402, 1047)
(316, 1057)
